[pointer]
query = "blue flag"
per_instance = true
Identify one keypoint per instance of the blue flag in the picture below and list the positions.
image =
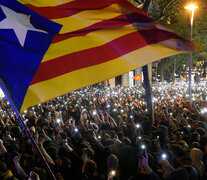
(24, 38)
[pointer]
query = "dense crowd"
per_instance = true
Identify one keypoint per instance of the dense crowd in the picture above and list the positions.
(106, 133)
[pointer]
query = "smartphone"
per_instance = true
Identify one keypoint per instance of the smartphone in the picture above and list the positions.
(113, 173)
(143, 150)
(164, 156)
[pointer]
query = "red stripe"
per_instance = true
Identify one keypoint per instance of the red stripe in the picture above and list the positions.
(98, 55)
(69, 9)
(116, 22)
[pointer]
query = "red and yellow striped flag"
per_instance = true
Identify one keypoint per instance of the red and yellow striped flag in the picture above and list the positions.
(138, 77)
(100, 39)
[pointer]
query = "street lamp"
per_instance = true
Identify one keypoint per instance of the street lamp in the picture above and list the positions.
(192, 8)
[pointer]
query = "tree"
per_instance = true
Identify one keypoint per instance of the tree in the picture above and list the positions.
(171, 13)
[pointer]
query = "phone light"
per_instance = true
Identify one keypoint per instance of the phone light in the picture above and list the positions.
(164, 156)
(138, 126)
(143, 146)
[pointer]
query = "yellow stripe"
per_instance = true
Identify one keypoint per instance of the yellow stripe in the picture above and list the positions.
(44, 3)
(88, 17)
(78, 43)
(60, 85)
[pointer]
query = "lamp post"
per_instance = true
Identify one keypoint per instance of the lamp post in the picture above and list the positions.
(192, 8)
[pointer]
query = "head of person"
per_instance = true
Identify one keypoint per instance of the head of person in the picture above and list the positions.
(112, 162)
(196, 155)
(201, 131)
(184, 145)
(5, 173)
(61, 137)
(179, 173)
(90, 169)
(177, 152)
(195, 137)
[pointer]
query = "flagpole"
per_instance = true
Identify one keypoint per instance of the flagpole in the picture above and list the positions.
(26, 130)
(148, 88)
(36, 147)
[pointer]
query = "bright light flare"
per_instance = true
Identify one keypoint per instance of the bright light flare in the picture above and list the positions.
(191, 7)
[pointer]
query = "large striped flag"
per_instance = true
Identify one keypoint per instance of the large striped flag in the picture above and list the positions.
(50, 47)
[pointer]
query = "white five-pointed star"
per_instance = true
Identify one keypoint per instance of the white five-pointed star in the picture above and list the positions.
(19, 22)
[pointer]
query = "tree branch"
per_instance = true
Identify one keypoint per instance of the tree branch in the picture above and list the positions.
(147, 4)
(137, 1)
(163, 9)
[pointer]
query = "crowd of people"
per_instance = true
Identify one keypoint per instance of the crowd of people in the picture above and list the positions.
(106, 133)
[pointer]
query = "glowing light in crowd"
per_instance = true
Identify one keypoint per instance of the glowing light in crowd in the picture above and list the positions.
(143, 146)
(113, 173)
(164, 156)
(58, 120)
(138, 125)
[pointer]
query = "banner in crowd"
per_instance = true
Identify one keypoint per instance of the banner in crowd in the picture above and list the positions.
(50, 47)
(138, 77)
(182, 78)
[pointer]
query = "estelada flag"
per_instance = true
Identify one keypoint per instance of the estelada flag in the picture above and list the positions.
(50, 47)
(137, 77)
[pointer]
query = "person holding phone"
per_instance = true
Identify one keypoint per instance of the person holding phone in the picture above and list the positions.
(33, 176)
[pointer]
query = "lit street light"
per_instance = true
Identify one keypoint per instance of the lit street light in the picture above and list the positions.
(192, 8)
